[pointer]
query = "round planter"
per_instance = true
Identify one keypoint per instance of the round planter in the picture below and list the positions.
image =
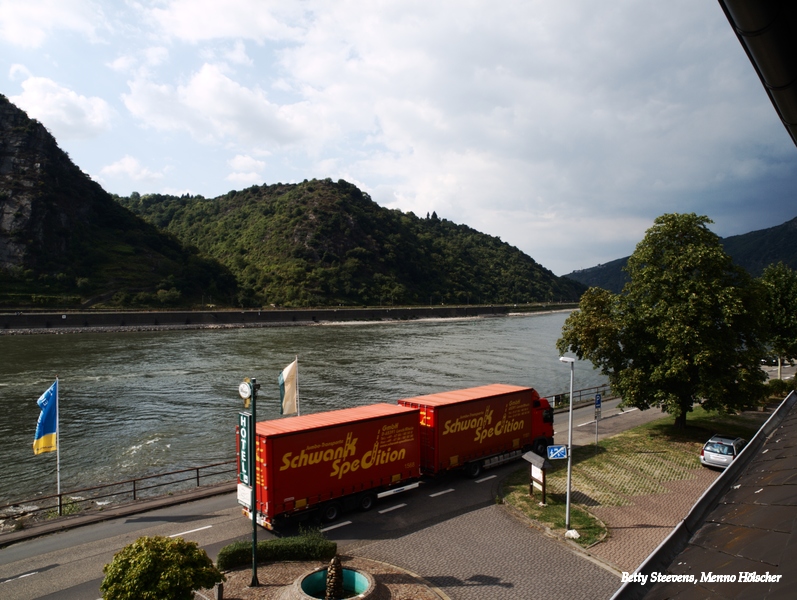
(313, 584)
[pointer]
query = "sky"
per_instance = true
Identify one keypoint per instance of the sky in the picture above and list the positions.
(564, 128)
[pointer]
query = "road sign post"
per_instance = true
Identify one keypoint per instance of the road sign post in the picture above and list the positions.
(597, 418)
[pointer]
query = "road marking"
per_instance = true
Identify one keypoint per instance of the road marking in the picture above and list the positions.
(488, 478)
(192, 531)
(331, 527)
(628, 410)
(441, 493)
(19, 577)
(387, 510)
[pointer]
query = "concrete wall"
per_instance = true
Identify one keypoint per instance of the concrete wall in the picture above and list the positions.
(87, 320)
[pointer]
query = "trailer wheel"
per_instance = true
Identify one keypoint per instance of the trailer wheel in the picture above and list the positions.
(367, 502)
(473, 469)
(330, 512)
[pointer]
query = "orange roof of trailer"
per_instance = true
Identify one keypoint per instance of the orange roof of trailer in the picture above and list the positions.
(329, 418)
(475, 393)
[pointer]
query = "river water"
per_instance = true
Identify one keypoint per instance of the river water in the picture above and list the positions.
(134, 404)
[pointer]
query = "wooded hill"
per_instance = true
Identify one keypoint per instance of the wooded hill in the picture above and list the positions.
(752, 251)
(64, 242)
(63, 239)
(327, 243)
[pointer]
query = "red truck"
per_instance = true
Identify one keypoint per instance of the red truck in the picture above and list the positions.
(481, 427)
(339, 460)
(334, 461)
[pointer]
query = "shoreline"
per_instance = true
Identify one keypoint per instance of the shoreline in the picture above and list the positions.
(131, 322)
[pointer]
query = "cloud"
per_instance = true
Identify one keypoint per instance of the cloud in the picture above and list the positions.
(29, 24)
(131, 168)
(246, 170)
(560, 127)
(200, 20)
(211, 106)
(66, 113)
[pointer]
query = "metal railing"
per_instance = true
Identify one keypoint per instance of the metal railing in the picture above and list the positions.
(74, 501)
(582, 397)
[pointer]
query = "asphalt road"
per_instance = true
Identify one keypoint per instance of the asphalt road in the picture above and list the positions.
(68, 565)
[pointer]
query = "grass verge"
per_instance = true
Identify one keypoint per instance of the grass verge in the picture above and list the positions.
(633, 463)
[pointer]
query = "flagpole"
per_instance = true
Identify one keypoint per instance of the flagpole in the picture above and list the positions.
(298, 411)
(58, 446)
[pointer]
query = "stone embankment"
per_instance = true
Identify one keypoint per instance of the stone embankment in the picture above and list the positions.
(76, 322)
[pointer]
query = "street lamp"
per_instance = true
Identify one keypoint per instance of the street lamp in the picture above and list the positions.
(572, 361)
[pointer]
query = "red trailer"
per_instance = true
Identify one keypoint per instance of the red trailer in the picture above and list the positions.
(334, 461)
(481, 427)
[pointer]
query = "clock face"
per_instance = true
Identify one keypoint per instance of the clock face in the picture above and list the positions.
(244, 390)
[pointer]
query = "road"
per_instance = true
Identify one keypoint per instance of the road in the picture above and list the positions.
(68, 565)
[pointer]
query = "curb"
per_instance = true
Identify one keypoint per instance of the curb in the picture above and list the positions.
(123, 510)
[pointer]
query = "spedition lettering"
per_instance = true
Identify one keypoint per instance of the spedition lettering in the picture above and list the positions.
(481, 425)
(370, 459)
(342, 458)
(304, 458)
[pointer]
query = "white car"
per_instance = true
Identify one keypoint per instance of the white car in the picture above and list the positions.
(720, 451)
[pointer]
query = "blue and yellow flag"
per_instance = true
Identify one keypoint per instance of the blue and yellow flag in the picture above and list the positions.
(46, 439)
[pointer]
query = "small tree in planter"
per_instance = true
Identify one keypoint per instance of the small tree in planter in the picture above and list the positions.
(159, 568)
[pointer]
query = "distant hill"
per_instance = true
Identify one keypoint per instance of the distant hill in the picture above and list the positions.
(63, 239)
(752, 251)
(327, 243)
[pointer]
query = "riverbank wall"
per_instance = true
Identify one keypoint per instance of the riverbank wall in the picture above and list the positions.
(55, 322)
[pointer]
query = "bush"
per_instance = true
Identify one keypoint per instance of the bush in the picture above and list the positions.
(780, 387)
(159, 568)
(309, 545)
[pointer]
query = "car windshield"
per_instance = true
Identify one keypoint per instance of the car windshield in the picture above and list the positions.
(717, 448)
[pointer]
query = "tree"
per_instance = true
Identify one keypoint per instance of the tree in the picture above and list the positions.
(686, 328)
(159, 568)
(780, 283)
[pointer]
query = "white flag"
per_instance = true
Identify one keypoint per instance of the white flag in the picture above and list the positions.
(289, 388)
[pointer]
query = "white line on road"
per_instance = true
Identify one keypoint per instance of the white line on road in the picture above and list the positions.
(628, 410)
(441, 493)
(192, 531)
(19, 577)
(331, 527)
(488, 478)
(387, 510)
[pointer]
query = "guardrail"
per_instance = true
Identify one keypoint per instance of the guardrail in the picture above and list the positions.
(74, 501)
(582, 397)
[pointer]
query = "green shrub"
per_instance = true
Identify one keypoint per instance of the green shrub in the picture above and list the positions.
(309, 545)
(159, 568)
(780, 387)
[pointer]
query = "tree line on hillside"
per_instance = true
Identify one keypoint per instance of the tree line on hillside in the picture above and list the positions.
(327, 243)
(690, 327)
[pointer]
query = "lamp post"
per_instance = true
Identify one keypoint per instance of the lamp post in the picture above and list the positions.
(248, 392)
(572, 361)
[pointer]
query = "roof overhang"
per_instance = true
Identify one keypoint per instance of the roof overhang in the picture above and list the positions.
(767, 30)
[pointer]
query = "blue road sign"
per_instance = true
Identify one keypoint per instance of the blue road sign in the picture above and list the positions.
(597, 400)
(557, 452)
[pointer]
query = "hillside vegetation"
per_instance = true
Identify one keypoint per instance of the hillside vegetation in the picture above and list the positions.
(753, 251)
(64, 241)
(326, 243)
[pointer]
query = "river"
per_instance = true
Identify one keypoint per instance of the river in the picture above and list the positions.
(133, 404)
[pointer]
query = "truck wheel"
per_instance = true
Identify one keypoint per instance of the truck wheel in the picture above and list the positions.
(540, 448)
(473, 469)
(330, 512)
(367, 502)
